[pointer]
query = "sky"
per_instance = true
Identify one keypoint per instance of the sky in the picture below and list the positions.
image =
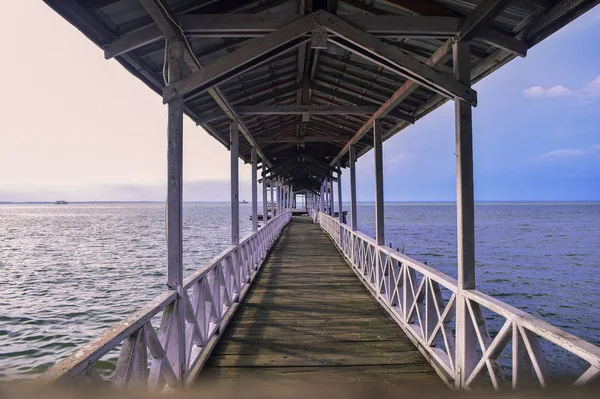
(74, 126)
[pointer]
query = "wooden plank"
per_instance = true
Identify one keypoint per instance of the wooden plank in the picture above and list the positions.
(307, 316)
(303, 139)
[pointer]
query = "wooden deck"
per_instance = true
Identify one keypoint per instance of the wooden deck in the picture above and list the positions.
(309, 318)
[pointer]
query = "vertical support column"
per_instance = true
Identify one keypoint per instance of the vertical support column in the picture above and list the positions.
(353, 209)
(331, 207)
(254, 160)
(465, 212)
(278, 197)
(174, 207)
(322, 198)
(340, 210)
(234, 145)
(272, 199)
(264, 194)
(379, 212)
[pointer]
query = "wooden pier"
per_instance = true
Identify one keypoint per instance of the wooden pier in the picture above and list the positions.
(308, 318)
(301, 89)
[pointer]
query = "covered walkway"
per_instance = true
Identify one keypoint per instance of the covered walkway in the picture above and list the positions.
(309, 318)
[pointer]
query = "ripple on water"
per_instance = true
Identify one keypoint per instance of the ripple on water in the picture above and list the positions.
(70, 272)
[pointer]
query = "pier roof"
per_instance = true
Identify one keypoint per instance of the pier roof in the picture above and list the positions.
(304, 98)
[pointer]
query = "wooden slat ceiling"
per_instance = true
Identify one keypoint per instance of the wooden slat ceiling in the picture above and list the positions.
(318, 79)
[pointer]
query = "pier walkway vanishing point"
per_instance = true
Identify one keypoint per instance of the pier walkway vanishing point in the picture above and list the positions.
(309, 318)
(301, 89)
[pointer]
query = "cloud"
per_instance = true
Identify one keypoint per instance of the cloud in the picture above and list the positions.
(590, 90)
(565, 153)
(571, 152)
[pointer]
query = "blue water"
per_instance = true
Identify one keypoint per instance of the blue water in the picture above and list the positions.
(70, 271)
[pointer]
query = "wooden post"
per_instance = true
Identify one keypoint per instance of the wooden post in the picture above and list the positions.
(234, 145)
(353, 209)
(331, 207)
(264, 194)
(175, 205)
(254, 159)
(379, 212)
(272, 199)
(322, 198)
(278, 197)
(340, 218)
(465, 212)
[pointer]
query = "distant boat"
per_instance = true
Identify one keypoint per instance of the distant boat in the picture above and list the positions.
(60, 203)
(243, 202)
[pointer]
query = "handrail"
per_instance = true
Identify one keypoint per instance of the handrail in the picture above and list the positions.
(411, 292)
(216, 288)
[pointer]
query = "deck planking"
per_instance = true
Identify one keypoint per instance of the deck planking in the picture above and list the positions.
(308, 318)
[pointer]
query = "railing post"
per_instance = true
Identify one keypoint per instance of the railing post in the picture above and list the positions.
(254, 160)
(174, 208)
(465, 212)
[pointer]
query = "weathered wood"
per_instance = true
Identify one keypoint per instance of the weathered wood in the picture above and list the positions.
(353, 208)
(409, 87)
(388, 56)
(256, 25)
(484, 13)
(303, 139)
(379, 201)
(308, 316)
(235, 199)
(465, 211)
(254, 160)
(254, 53)
(265, 211)
(309, 109)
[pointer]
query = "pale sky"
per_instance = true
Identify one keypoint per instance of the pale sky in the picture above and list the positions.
(77, 127)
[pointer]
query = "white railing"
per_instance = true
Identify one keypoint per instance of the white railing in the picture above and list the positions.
(423, 302)
(209, 298)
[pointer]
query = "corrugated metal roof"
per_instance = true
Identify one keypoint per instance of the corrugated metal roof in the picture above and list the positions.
(335, 75)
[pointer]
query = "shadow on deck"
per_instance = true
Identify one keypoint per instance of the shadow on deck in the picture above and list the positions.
(309, 318)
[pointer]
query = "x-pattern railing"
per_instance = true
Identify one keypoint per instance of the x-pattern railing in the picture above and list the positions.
(209, 298)
(423, 302)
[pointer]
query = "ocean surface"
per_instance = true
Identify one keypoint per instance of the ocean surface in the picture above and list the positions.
(67, 272)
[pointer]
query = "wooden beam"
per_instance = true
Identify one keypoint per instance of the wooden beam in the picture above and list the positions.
(254, 160)
(257, 25)
(409, 87)
(484, 13)
(175, 206)
(353, 208)
(368, 46)
(303, 139)
(161, 15)
(309, 109)
(465, 212)
(255, 52)
(235, 186)
(379, 202)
